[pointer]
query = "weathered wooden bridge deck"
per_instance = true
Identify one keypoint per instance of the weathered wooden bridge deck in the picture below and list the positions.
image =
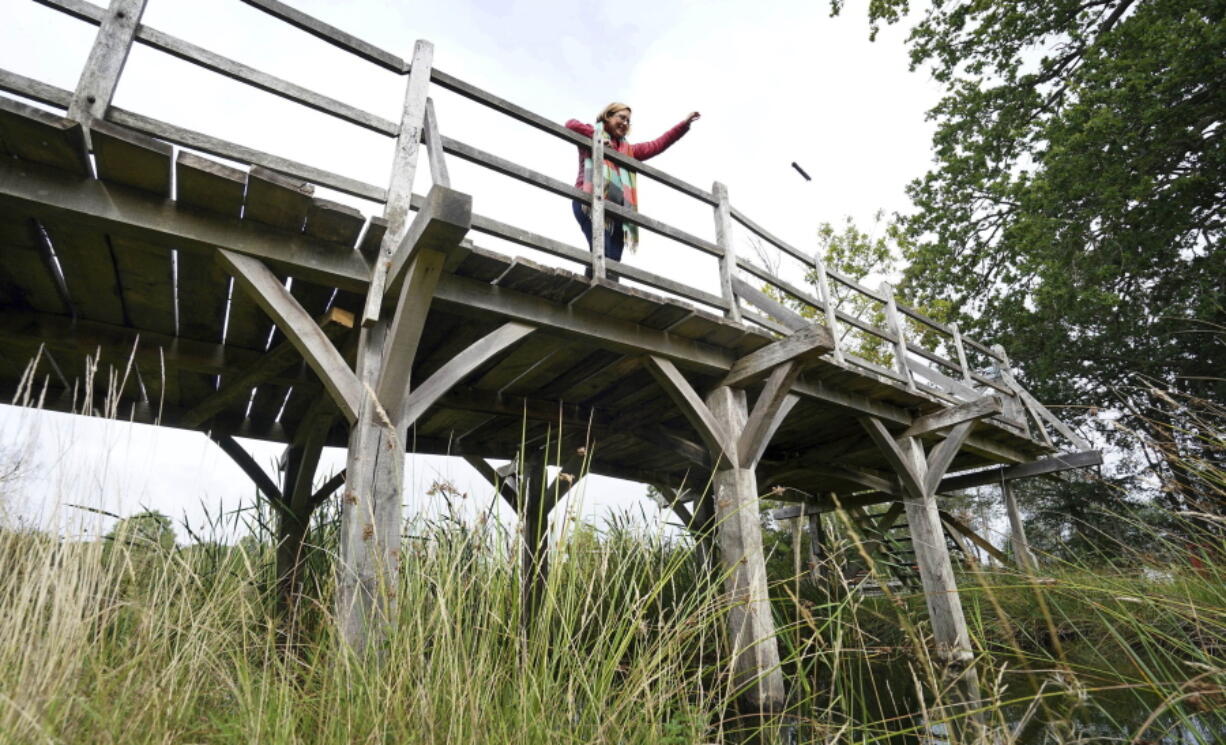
(142, 279)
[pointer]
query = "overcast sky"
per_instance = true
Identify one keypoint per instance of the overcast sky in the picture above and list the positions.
(775, 82)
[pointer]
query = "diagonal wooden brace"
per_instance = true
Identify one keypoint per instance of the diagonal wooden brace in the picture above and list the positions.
(298, 326)
(980, 408)
(771, 408)
(712, 433)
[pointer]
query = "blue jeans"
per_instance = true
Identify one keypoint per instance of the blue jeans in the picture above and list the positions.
(614, 236)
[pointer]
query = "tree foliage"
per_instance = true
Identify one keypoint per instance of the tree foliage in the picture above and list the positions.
(1075, 208)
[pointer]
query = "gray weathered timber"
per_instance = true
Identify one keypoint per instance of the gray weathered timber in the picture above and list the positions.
(662, 228)
(47, 194)
(751, 629)
(208, 185)
(894, 323)
(35, 135)
(335, 223)
(960, 527)
(712, 432)
(315, 346)
(771, 408)
(767, 304)
(434, 148)
(942, 455)
(277, 200)
(509, 168)
(441, 223)
(107, 57)
(597, 208)
(132, 159)
(263, 81)
(404, 332)
(34, 89)
(978, 409)
(461, 366)
(232, 151)
(1017, 531)
(404, 168)
(956, 334)
(727, 262)
(824, 294)
(809, 341)
(369, 561)
(331, 34)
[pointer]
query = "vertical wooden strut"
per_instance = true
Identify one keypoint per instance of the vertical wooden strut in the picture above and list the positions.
(100, 76)
(723, 237)
(597, 209)
(920, 476)
(1017, 531)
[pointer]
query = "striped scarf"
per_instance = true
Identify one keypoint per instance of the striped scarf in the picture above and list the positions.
(620, 186)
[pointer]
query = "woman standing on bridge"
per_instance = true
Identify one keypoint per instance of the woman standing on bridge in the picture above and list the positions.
(620, 183)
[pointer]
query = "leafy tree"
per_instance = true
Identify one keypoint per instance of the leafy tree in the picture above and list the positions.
(1075, 209)
(148, 529)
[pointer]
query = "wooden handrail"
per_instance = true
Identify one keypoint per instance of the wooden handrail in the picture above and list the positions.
(723, 249)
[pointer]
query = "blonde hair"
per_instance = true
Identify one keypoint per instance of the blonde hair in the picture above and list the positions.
(612, 109)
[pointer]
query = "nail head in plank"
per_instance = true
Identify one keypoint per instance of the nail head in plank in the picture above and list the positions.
(208, 185)
(130, 158)
(277, 200)
(36, 135)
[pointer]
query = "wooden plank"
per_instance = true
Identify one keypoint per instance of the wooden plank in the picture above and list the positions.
(453, 372)
(107, 57)
(434, 148)
(263, 81)
(769, 411)
(400, 350)
(205, 184)
(146, 283)
(277, 200)
(827, 299)
(372, 237)
(130, 158)
(596, 211)
(331, 34)
(768, 305)
(89, 272)
(34, 90)
(312, 343)
(957, 525)
(894, 324)
(727, 262)
(242, 154)
(985, 406)
(754, 366)
(1041, 467)
(712, 433)
(511, 169)
(1017, 531)
(334, 223)
(41, 137)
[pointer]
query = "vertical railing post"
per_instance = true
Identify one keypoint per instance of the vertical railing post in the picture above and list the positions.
(597, 209)
(434, 148)
(894, 324)
(98, 81)
(1015, 408)
(961, 350)
(727, 262)
(827, 298)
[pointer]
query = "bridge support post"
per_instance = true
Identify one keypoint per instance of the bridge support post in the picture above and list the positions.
(737, 438)
(921, 476)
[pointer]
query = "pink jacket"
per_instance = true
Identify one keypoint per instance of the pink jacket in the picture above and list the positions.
(639, 151)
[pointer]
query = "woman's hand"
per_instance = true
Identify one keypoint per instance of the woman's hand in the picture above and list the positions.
(693, 117)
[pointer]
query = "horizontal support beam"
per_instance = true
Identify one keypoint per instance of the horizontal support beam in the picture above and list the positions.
(1043, 467)
(977, 409)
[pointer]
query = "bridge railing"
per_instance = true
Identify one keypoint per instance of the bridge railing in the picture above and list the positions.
(875, 333)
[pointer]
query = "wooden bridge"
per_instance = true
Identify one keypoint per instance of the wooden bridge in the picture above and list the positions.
(232, 301)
